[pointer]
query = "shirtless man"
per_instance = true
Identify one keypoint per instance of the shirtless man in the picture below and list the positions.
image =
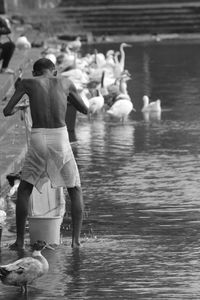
(49, 155)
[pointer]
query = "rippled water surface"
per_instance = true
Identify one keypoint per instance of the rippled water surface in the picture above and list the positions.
(141, 184)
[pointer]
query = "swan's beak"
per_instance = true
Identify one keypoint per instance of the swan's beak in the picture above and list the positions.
(128, 45)
(49, 247)
(134, 109)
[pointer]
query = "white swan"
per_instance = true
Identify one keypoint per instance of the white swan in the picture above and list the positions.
(76, 44)
(100, 59)
(121, 63)
(154, 106)
(52, 57)
(96, 104)
(121, 107)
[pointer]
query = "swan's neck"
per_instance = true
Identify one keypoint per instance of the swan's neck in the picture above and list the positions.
(146, 102)
(102, 79)
(123, 87)
(36, 253)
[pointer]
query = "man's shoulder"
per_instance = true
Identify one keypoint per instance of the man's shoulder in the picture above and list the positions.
(66, 82)
(27, 80)
(64, 78)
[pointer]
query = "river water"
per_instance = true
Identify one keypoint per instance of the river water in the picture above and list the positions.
(141, 182)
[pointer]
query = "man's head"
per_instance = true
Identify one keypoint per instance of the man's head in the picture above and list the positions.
(44, 66)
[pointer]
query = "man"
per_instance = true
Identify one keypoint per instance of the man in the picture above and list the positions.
(6, 47)
(49, 155)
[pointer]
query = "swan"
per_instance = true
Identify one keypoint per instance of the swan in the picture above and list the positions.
(76, 44)
(125, 76)
(99, 59)
(66, 59)
(154, 106)
(121, 108)
(52, 57)
(25, 270)
(96, 104)
(121, 63)
(110, 61)
(120, 86)
(78, 77)
(101, 86)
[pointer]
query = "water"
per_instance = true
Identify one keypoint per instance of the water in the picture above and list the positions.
(141, 183)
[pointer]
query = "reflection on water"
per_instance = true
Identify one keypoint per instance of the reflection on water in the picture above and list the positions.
(141, 187)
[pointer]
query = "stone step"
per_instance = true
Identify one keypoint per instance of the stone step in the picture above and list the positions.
(118, 2)
(126, 18)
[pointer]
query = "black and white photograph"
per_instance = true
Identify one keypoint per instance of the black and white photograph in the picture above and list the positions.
(99, 150)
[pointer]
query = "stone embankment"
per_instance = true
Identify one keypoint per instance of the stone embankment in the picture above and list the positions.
(128, 17)
(12, 129)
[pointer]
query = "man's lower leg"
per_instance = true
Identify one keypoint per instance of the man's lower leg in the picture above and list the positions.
(24, 192)
(77, 208)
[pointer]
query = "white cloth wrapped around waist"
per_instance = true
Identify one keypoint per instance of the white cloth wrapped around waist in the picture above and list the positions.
(50, 157)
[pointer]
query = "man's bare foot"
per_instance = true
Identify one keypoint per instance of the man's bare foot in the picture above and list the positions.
(16, 247)
(76, 245)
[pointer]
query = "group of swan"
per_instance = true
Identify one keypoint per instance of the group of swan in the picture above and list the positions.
(101, 79)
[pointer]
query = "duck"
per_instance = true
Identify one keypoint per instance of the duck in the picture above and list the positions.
(25, 270)
(154, 106)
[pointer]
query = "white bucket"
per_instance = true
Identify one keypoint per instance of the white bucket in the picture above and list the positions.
(45, 228)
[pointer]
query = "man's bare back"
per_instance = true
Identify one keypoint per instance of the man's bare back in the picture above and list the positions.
(48, 97)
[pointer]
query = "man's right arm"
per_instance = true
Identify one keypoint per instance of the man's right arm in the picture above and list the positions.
(11, 108)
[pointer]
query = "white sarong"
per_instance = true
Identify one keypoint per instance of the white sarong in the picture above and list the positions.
(50, 157)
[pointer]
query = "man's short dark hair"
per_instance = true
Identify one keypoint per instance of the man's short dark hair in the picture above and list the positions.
(43, 64)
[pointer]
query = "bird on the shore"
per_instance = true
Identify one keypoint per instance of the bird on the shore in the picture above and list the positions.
(154, 106)
(25, 270)
(23, 43)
